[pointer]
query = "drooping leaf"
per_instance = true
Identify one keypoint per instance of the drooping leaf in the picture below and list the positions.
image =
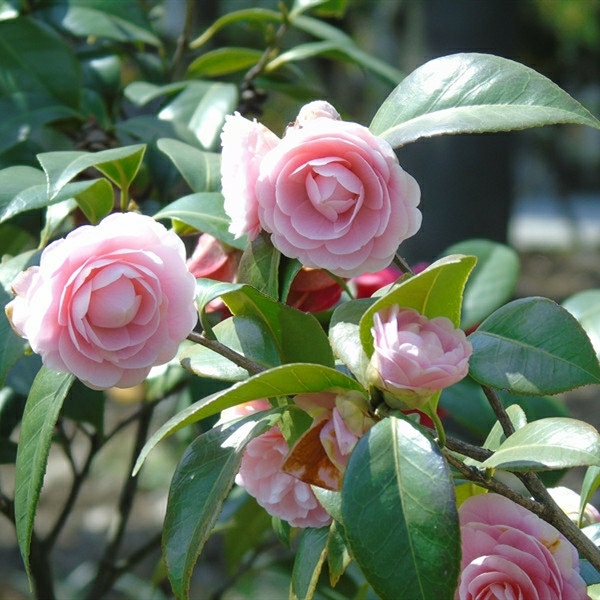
(41, 412)
(585, 307)
(400, 514)
(492, 281)
(223, 61)
(532, 346)
(591, 482)
(473, 93)
(204, 212)
(338, 553)
(286, 380)
(435, 292)
(206, 471)
(201, 170)
(123, 21)
(554, 443)
(310, 557)
(119, 164)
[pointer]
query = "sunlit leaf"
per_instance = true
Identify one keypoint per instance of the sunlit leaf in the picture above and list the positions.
(473, 93)
(585, 307)
(532, 346)
(308, 563)
(223, 61)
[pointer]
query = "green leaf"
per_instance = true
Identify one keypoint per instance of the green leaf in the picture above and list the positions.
(96, 200)
(248, 14)
(13, 180)
(496, 436)
(554, 443)
(286, 380)
(206, 471)
(435, 292)
(244, 334)
(344, 336)
(41, 411)
(532, 346)
(119, 164)
(12, 346)
(200, 110)
(122, 21)
(400, 513)
(142, 92)
(308, 563)
(223, 61)
(201, 170)
(23, 45)
(585, 307)
(330, 8)
(473, 93)
(338, 553)
(591, 482)
(298, 336)
(492, 281)
(204, 212)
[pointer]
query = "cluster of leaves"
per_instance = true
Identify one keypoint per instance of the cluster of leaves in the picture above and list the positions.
(528, 349)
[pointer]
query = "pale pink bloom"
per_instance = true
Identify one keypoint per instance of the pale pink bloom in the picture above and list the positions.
(333, 196)
(320, 455)
(279, 493)
(245, 144)
(414, 356)
(107, 302)
(508, 552)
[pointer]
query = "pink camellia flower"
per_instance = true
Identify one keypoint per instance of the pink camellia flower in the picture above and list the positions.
(508, 552)
(321, 454)
(245, 144)
(414, 356)
(107, 302)
(330, 193)
(367, 284)
(314, 290)
(279, 493)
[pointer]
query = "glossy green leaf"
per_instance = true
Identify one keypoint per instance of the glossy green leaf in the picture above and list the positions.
(122, 21)
(23, 42)
(308, 563)
(344, 336)
(204, 212)
(532, 346)
(206, 471)
(435, 292)
(286, 380)
(248, 14)
(330, 8)
(142, 92)
(200, 110)
(223, 61)
(492, 282)
(331, 502)
(201, 170)
(591, 482)
(96, 200)
(298, 336)
(585, 307)
(496, 436)
(554, 443)
(338, 553)
(259, 266)
(37, 428)
(11, 345)
(119, 164)
(13, 181)
(473, 93)
(247, 336)
(400, 514)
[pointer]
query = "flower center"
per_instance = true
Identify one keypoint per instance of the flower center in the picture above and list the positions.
(114, 305)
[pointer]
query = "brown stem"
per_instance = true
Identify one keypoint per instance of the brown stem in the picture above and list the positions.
(235, 357)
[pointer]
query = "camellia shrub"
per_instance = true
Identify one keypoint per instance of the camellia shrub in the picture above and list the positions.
(312, 367)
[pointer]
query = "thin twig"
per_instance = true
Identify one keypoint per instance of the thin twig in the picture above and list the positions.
(235, 357)
(125, 565)
(184, 38)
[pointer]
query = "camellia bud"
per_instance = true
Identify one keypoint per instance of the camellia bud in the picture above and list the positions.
(414, 356)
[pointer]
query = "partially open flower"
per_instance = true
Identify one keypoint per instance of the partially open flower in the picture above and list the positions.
(261, 474)
(414, 356)
(320, 456)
